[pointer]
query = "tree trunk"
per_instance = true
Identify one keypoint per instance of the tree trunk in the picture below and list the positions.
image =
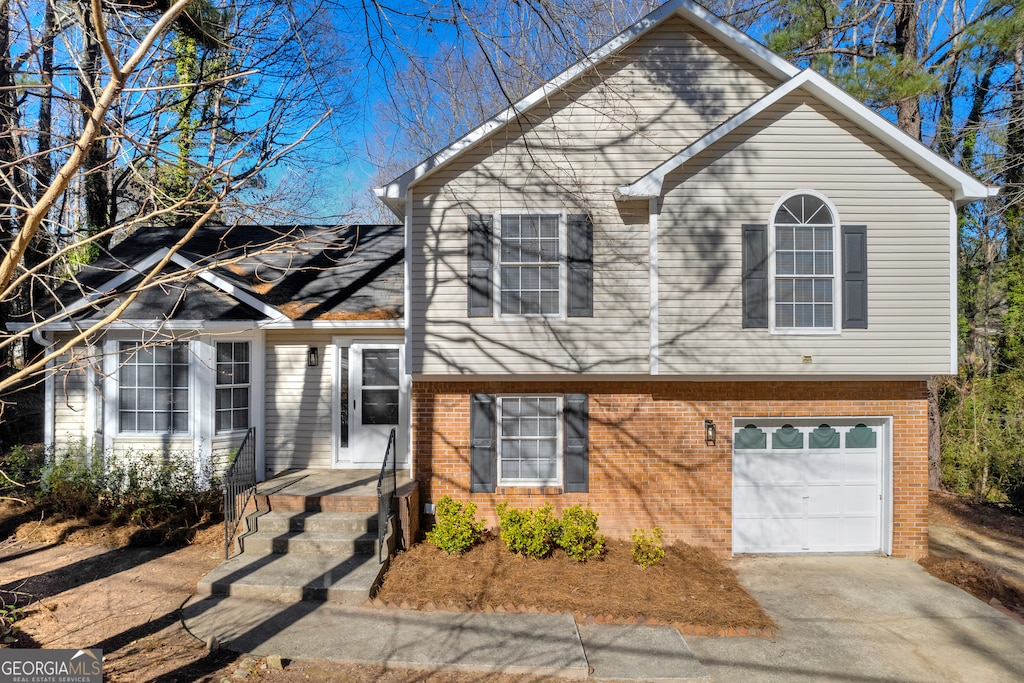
(1013, 177)
(97, 193)
(8, 119)
(44, 140)
(934, 438)
(8, 126)
(908, 109)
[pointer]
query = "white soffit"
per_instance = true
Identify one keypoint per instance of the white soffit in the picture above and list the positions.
(393, 194)
(966, 188)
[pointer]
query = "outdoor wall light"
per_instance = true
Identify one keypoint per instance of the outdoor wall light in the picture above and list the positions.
(710, 432)
(313, 359)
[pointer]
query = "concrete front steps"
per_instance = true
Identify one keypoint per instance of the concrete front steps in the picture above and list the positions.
(312, 538)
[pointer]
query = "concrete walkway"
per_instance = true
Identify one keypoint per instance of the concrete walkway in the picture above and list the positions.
(840, 618)
(539, 644)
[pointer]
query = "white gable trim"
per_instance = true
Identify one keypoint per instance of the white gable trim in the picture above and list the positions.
(140, 268)
(965, 187)
(394, 193)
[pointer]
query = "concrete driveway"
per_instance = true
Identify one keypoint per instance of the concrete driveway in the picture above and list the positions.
(852, 618)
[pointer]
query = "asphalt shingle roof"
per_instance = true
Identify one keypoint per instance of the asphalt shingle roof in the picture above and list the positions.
(308, 272)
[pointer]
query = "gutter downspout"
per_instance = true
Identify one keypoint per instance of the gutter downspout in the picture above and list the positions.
(39, 337)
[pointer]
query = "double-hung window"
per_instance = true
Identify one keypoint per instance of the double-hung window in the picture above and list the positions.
(153, 387)
(531, 264)
(529, 440)
(804, 231)
(804, 273)
(232, 394)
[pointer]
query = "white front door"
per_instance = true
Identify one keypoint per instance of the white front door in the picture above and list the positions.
(371, 403)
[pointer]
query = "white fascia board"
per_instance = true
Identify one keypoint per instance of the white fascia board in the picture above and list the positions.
(145, 325)
(113, 283)
(230, 289)
(149, 325)
(288, 324)
(965, 187)
(393, 194)
(140, 268)
(649, 186)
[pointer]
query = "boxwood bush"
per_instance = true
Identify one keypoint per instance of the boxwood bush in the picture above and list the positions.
(456, 528)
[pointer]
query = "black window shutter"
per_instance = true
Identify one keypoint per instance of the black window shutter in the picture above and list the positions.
(581, 265)
(479, 253)
(576, 444)
(855, 277)
(755, 276)
(483, 463)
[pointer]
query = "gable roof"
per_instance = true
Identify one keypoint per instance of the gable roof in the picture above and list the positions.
(393, 194)
(965, 187)
(271, 274)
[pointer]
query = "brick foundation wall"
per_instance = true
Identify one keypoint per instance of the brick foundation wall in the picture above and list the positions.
(649, 464)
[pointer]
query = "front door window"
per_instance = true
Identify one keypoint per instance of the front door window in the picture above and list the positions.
(380, 387)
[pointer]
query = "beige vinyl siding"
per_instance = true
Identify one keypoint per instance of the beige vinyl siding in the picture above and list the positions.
(181, 448)
(70, 403)
(801, 144)
(223, 450)
(569, 154)
(297, 414)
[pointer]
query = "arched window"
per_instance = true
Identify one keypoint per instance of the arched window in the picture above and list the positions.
(804, 229)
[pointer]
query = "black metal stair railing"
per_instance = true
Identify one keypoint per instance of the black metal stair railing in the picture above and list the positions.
(239, 487)
(387, 482)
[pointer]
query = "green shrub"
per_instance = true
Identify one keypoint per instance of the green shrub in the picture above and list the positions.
(647, 548)
(532, 533)
(147, 489)
(578, 535)
(456, 528)
(9, 614)
(72, 483)
(22, 467)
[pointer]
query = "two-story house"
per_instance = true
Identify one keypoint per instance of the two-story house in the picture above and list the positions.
(689, 285)
(684, 283)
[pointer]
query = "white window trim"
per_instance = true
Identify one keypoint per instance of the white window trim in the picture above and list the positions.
(341, 456)
(563, 279)
(837, 279)
(559, 447)
(233, 339)
(193, 386)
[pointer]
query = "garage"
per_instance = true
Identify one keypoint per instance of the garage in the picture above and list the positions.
(811, 485)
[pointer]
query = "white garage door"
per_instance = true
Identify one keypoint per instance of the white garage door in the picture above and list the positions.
(808, 486)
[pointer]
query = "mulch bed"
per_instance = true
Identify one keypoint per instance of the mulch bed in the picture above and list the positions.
(978, 579)
(691, 588)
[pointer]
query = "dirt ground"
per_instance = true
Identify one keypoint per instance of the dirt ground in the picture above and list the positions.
(979, 548)
(125, 599)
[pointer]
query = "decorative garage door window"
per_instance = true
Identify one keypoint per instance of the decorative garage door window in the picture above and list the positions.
(787, 436)
(807, 486)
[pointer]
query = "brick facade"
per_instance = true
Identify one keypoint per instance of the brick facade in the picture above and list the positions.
(649, 464)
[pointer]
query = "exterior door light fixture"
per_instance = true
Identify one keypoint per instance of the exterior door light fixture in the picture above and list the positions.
(710, 432)
(313, 357)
